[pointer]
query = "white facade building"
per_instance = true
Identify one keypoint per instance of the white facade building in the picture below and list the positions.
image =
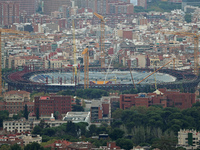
(188, 139)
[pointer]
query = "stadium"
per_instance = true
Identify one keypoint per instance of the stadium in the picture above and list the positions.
(55, 80)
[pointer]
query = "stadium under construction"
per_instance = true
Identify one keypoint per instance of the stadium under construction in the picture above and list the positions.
(99, 78)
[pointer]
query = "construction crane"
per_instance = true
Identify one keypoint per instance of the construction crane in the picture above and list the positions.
(132, 77)
(156, 71)
(75, 64)
(86, 68)
(102, 39)
(6, 31)
(196, 46)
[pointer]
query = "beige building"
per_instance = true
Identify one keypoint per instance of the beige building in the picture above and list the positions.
(24, 126)
(188, 139)
(14, 62)
(30, 138)
(17, 96)
(55, 63)
(141, 60)
(20, 126)
(15, 101)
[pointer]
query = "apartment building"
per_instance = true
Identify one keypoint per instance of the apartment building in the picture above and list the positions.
(9, 12)
(188, 139)
(54, 5)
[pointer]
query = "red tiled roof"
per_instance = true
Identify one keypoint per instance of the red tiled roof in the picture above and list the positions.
(44, 97)
(16, 92)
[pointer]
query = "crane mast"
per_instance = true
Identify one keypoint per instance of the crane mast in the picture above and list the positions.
(86, 68)
(74, 44)
(102, 39)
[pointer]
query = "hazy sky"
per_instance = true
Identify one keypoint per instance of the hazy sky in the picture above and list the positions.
(134, 2)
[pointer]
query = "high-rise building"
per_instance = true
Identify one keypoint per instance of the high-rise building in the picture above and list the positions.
(102, 6)
(142, 3)
(9, 13)
(54, 5)
(120, 8)
(91, 4)
(29, 6)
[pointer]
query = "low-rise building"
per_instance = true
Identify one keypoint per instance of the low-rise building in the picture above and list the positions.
(77, 117)
(27, 126)
(15, 101)
(30, 138)
(51, 104)
(163, 97)
(19, 126)
(10, 140)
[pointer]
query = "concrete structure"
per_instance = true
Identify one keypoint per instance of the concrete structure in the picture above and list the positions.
(19, 126)
(77, 117)
(80, 146)
(188, 139)
(51, 104)
(100, 111)
(30, 138)
(163, 97)
(27, 126)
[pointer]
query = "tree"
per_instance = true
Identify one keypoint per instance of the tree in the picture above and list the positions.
(165, 143)
(37, 130)
(37, 113)
(33, 146)
(125, 143)
(92, 129)
(5, 147)
(26, 112)
(56, 114)
(3, 116)
(77, 108)
(116, 134)
(188, 18)
(15, 147)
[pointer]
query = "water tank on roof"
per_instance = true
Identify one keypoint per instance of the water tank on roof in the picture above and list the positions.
(142, 95)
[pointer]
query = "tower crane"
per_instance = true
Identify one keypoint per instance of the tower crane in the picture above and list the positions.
(156, 71)
(74, 44)
(102, 39)
(196, 46)
(86, 68)
(6, 31)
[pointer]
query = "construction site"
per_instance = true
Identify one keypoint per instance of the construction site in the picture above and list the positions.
(56, 73)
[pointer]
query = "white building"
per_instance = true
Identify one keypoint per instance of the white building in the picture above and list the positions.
(188, 139)
(77, 117)
(20, 126)
(30, 138)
